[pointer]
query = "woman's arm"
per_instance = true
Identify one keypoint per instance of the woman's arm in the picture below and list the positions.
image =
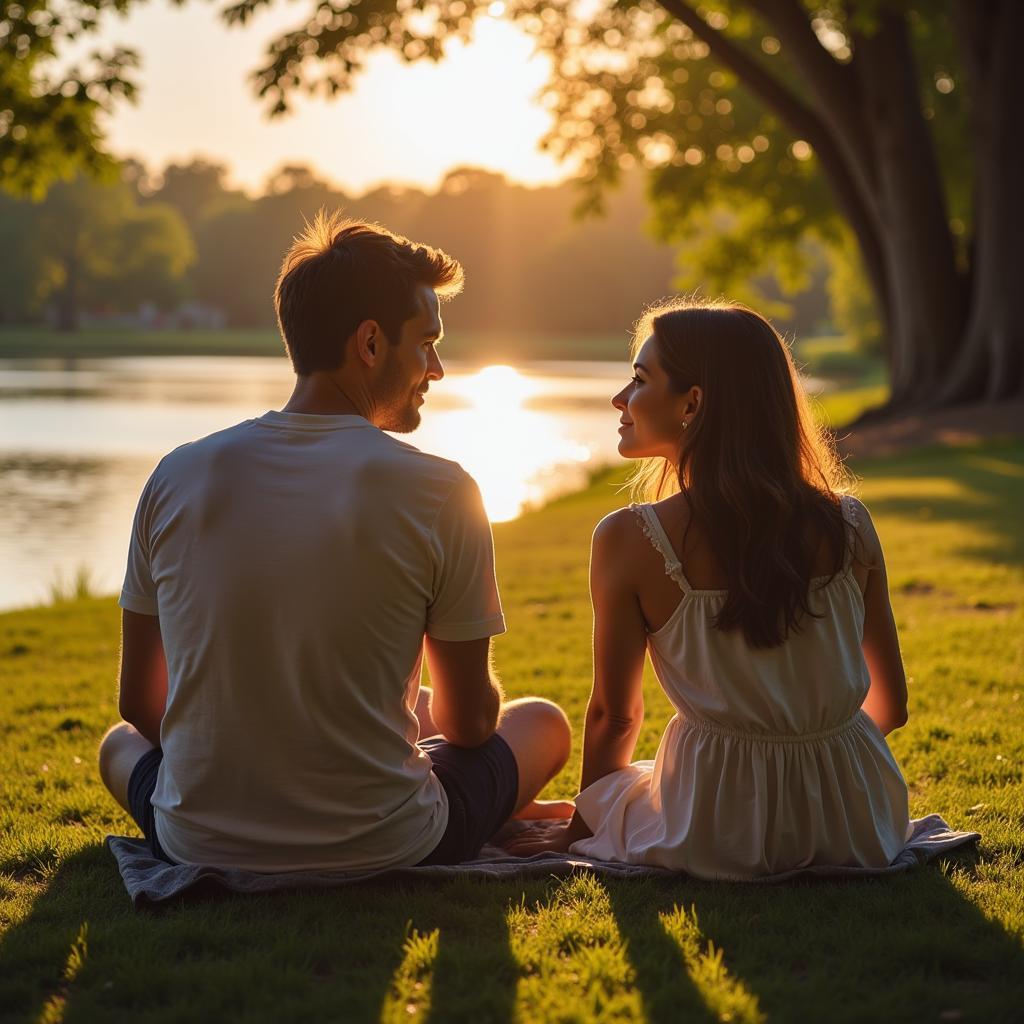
(616, 709)
(886, 702)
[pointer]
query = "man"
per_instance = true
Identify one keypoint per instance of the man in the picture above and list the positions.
(285, 577)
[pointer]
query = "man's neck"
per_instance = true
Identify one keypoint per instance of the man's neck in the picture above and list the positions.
(319, 394)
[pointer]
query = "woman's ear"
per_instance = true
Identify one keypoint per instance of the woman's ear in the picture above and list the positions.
(369, 339)
(694, 400)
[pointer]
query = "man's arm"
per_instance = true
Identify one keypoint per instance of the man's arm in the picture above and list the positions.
(143, 681)
(467, 698)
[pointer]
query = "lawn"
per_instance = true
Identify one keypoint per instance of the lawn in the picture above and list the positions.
(857, 379)
(469, 346)
(943, 943)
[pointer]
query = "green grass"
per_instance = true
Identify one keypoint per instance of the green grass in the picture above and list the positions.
(842, 406)
(859, 380)
(837, 357)
(471, 346)
(941, 943)
(833, 357)
(42, 343)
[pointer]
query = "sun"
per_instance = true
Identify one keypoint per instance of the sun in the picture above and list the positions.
(504, 444)
(497, 390)
(403, 123)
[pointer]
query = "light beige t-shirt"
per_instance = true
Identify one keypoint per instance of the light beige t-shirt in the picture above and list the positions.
(296, 562)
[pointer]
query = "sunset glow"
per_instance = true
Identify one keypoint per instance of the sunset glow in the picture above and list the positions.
(408, 124)
(495, 390)
(508, 448)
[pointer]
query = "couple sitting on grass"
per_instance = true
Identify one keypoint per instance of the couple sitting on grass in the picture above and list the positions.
(287, 575)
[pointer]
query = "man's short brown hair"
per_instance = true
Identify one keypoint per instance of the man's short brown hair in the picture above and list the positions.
(340, 272)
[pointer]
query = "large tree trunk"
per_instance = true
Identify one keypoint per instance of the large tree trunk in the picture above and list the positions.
(950, 340)
(833, 120)
(990, 363)
(926, 291)
(866, 124)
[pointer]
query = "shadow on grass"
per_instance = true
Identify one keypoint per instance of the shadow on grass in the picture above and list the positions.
(992, 477)
(438, 952)
(902, 947)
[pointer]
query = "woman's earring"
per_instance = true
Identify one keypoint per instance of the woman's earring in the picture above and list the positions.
(685, 424)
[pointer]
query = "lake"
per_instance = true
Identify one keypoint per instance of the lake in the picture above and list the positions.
(78, 441)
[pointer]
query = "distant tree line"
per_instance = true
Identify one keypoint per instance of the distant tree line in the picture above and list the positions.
(184, 236)
(888, 134)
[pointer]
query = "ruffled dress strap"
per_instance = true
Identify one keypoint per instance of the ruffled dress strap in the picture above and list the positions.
(655, 533)
(851, 513)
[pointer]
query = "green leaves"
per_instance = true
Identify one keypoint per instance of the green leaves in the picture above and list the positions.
(91, 242)
(48, 118)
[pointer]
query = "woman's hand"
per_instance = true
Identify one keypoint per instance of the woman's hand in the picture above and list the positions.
(547, 837)
(551, 837)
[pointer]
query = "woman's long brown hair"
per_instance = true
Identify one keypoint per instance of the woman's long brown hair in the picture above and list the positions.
(761, 477)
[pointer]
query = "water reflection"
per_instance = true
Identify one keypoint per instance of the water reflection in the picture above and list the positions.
(518, 456)
(60, 514)
(77, 442)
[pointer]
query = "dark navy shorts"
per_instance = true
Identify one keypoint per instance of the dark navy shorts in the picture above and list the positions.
(140, 798)
(481, 784)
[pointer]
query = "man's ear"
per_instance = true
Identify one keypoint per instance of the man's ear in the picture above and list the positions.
(370, 341)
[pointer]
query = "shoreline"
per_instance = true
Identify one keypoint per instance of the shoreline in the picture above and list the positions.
(475, 346)
(943, 438)
(955, 560)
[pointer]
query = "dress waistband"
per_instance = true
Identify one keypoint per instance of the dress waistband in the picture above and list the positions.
(706, 725)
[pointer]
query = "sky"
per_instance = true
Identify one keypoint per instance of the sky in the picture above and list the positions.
(407, 124)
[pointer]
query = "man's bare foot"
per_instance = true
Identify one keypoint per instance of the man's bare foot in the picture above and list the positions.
(537, 810)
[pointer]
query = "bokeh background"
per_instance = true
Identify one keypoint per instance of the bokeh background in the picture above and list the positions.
(852, 171)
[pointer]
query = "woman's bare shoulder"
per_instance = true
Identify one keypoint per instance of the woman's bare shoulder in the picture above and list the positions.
(617, 526)
(617, 548)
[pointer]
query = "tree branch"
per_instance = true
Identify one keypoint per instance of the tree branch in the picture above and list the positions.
(834, 85)
(769, 89)
(808, 125)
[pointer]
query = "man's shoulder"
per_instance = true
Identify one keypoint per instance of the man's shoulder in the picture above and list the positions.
(419, 468)
(417, 485)
(185, 455)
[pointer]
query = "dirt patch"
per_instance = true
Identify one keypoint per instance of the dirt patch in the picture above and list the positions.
(966, 424)
(988, 606)
(916, 587)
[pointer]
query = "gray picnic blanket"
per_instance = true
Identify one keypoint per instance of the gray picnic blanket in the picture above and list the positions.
(150, 881)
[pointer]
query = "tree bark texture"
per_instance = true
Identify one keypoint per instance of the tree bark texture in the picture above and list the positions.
(926, 291)
(990, 360)
(951, 337)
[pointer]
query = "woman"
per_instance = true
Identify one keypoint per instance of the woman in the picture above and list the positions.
(759, 590)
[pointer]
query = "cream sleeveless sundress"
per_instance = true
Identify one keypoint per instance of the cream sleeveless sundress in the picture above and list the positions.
(768, 763)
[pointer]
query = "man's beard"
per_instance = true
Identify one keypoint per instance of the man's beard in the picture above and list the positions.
(399, 410)
(401, 420)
